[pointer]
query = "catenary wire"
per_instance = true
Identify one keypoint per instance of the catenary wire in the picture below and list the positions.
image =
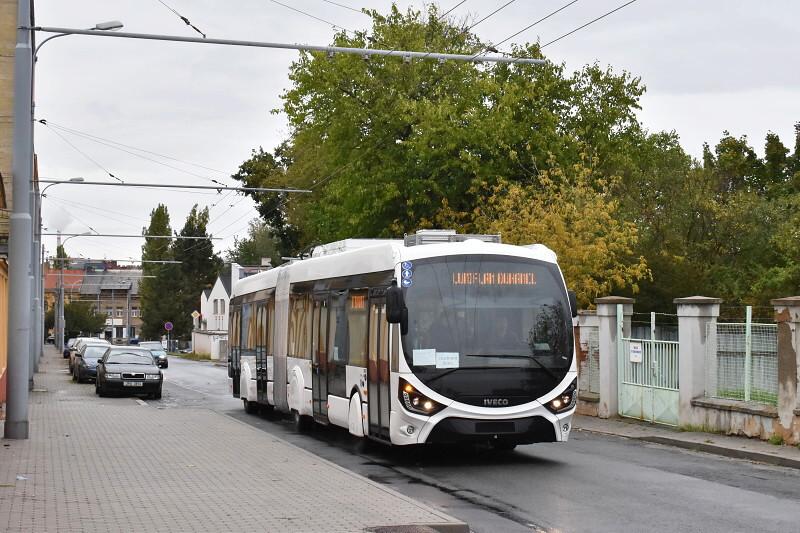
(97, 137)
(490, 15)
(589, 23)
(184, 19)
(345, 7)
(87, 156)
(156, 161)
(329, 23)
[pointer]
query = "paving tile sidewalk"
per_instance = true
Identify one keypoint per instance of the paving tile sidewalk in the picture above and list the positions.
(115, 464)
(729, 446)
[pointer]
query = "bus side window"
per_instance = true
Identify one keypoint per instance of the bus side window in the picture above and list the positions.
(270, 325)
(357, 318)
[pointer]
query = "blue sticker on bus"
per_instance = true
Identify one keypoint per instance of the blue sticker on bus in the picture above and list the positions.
(407, 265)
(407, 274)
(406, 282)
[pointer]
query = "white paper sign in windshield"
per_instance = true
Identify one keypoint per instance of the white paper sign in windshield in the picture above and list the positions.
(446, 359)
(424, 357)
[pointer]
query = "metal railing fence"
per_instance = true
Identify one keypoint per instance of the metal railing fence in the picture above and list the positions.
(742, 361)
(589, 370)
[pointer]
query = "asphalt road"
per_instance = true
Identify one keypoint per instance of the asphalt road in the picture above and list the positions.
(593, 483)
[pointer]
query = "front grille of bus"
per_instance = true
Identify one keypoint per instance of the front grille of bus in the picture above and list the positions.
(478, 401)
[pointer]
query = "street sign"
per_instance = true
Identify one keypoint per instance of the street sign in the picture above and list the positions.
(195, 315)
(636, 352)
(168, 326)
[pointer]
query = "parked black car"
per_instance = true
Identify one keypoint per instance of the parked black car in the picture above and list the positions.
(128, 369)
(85, 365)
(67, 346)
(158, 351)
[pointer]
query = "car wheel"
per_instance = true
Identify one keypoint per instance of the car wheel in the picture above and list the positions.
(157, 395)
(101, 392)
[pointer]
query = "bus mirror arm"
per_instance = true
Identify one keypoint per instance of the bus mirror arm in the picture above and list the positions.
(573, 303)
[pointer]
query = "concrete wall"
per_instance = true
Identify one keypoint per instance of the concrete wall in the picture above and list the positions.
(695, 410)
(210, 343)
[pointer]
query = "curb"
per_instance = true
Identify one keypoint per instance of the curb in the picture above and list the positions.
(725, 451)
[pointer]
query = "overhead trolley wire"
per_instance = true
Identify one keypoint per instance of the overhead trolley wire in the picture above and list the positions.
(116, 145)
(451, 9)
(526, 28)
(589, 23)
(89, 135)
(328, 22)
(490, 15)
(345, 7)
(87, 156)
(184, 19)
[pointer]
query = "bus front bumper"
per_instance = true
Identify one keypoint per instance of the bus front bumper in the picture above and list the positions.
(539, 425)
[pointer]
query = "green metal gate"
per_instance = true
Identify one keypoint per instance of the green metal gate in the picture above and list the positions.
(648, 378)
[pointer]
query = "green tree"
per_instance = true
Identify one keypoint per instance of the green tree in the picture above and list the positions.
(80, 318)
(197, 270)
(157, 293)
(574, 213)
(387, 145)
(259, 243)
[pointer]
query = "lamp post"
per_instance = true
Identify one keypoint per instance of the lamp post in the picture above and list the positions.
(39, 331)
(60, 325)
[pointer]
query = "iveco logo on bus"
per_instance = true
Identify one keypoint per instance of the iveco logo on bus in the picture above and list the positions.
(495, 402)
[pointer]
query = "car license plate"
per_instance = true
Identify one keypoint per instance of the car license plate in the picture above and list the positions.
(133, 383)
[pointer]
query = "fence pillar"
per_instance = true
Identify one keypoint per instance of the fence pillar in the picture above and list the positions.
(787, 315)
(607, 340)
(694, 315)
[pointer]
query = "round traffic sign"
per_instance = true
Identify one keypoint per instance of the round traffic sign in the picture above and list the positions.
(168, 326)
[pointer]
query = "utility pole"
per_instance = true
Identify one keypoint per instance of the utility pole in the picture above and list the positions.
(59, 321)
(128, 314)
(20, 241)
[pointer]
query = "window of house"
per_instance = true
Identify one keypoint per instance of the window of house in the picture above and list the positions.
(134, 312)
(222, 307)
(109, 312)
(216, 307)
(120, 313)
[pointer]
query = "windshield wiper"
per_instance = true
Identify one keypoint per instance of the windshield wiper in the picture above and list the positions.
(530, 357)
(451, 370)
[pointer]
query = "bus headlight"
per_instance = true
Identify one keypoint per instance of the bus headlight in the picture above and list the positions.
(415, 401)
(564, 401)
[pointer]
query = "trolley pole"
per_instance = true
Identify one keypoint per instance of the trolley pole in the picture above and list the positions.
(20, 239)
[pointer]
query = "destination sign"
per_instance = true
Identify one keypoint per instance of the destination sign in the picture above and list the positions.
(494, 278)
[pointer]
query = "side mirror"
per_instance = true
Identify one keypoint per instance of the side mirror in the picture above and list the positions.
(573, 303)
(396, 310)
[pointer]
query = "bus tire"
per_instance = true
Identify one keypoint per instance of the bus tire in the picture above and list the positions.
(250, 408)
(301, 423)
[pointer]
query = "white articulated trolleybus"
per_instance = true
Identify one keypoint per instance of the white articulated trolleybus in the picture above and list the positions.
(439, 338)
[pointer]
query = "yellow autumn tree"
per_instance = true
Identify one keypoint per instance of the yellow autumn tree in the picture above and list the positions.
(572, 212)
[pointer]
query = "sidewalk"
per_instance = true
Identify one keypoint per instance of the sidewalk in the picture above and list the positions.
(729, 446)
(115, 464)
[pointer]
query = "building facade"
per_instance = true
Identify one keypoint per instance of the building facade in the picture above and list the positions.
(8, 40)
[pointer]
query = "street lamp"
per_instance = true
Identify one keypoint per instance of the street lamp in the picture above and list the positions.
(36, 331)
(60, 325)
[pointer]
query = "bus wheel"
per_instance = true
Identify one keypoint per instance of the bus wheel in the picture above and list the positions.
(301, 423)
(250, 408)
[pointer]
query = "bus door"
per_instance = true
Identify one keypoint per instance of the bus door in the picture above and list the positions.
(319, 358)
(234, 357)
(378, 376)
(261, 352)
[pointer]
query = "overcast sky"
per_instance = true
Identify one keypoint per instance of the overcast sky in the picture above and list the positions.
(708, 66)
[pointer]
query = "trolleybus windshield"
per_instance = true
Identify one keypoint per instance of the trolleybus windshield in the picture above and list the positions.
(487, 312)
